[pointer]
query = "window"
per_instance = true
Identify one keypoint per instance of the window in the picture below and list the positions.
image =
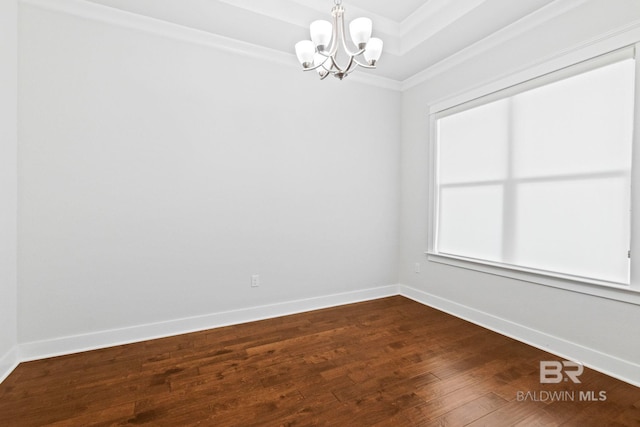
(537, 177)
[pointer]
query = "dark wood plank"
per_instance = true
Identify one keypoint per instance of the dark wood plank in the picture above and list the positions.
(388, 362)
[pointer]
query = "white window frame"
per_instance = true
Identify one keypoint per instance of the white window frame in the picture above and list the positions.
(550, 70)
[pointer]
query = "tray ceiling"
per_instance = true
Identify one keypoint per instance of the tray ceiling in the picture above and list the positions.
(417, 34)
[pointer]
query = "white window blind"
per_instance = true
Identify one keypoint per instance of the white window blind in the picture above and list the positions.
(538, 176)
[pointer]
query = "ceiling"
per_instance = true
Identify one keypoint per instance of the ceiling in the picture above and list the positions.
(417, 34)
(397, 10)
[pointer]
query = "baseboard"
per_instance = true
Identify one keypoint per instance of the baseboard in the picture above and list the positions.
(8, 362)
(78, 343)
(623, 370)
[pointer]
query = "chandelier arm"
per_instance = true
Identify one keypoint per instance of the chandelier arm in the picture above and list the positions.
(333, 48)
(315, 67)
(352, 61)
(339, 69)
(338, 14)
(371, 67)
(343, 39)
(352, 65)
(334, 64)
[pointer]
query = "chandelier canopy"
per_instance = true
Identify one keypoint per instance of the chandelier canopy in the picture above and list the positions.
(321, 52)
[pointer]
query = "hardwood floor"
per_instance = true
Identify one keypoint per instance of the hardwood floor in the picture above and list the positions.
(389, 362)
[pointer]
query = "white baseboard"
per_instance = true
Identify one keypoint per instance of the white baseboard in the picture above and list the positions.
(8, 362)
(78, 343)
(623, 370)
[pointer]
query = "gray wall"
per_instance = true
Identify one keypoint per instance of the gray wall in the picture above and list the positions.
(156, 176)
(8, 182)
(575, 324)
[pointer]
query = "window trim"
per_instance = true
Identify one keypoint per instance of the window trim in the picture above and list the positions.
(573, 63)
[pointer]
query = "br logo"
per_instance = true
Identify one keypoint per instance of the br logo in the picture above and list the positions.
(553, 372)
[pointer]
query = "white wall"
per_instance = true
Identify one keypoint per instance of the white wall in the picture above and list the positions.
(8, 183)
(576, 325)
(157, 175)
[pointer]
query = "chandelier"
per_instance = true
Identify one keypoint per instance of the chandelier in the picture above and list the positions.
(321, 52)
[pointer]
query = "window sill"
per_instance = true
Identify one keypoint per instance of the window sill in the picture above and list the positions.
(600, 289)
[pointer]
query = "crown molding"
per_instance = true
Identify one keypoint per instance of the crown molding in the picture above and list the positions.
(117, 17)
(124, 19)
(400, 37)
(301, 13)
(617, 38)
(430, 18)
(376, 80)
(521, 26)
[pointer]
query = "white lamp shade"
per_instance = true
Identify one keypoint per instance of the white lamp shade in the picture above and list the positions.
(305, 50)
(373, 51)
(360, 30)
(321, 33)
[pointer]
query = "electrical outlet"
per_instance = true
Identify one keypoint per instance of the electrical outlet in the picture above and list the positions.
(416, 267)
(255, 280)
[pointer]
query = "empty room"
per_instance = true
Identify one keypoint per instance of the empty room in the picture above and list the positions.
(319, 212)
